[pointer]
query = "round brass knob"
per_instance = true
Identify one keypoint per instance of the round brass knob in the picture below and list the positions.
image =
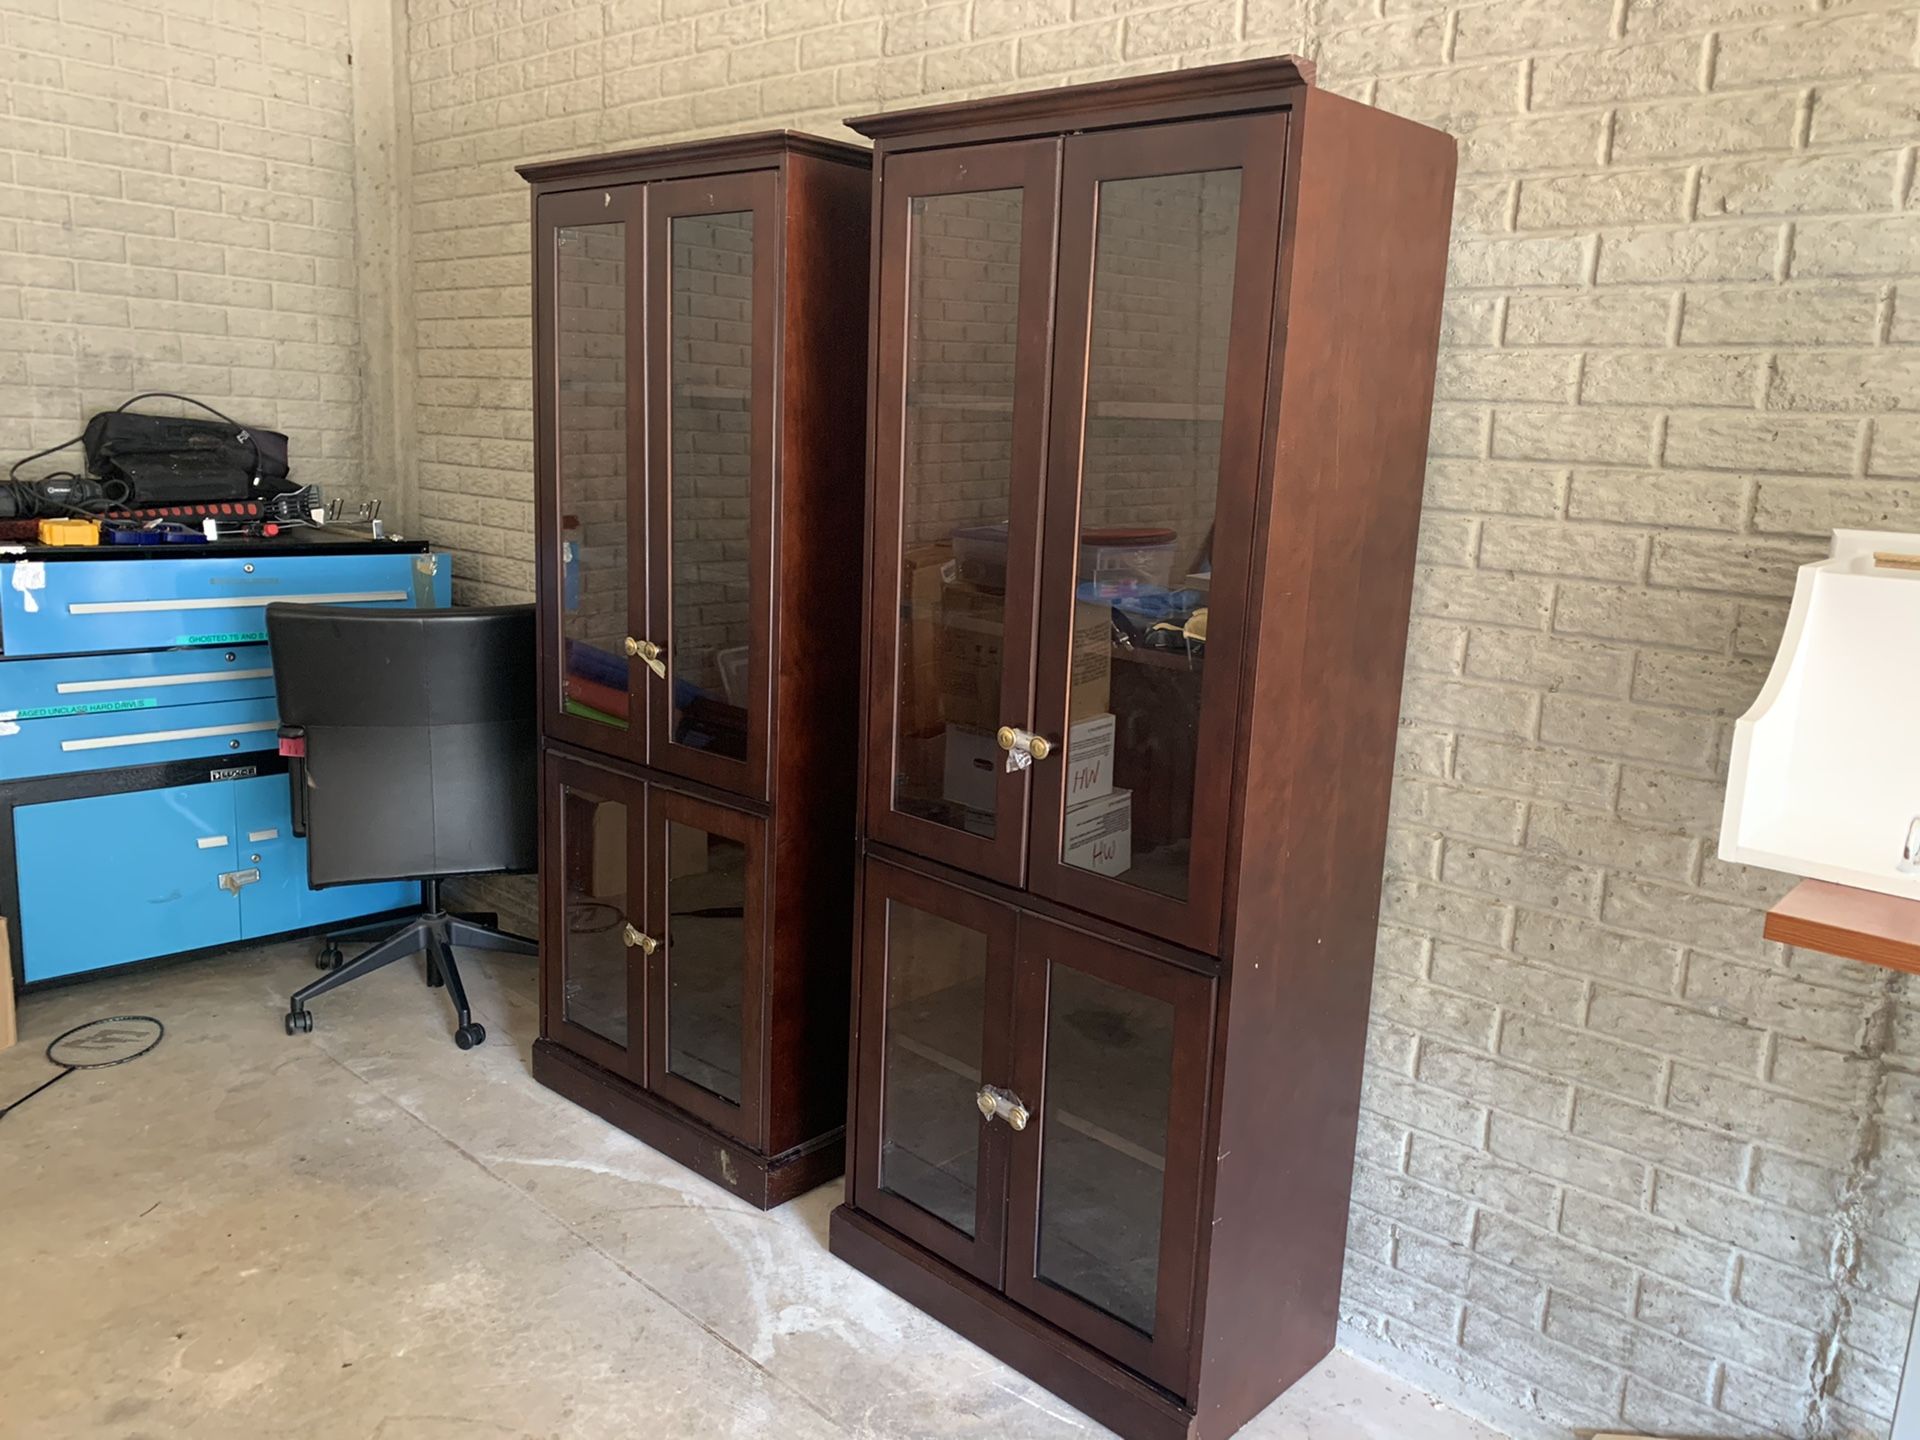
(637, 940)
(1007, 736)
(1039, 747)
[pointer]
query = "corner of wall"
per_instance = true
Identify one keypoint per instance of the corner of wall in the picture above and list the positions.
(383, 235)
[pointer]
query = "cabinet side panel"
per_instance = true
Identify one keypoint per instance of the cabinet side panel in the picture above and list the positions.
(1363, 273)
(818, 525)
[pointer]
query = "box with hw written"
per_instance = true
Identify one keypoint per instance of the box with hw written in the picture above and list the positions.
(1089, 758)
(1098, 834)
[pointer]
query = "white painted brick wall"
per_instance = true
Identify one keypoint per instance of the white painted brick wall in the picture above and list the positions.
(176, 213)
(1622, 1162)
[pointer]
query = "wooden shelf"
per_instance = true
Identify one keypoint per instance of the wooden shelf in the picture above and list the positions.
(1853, 924)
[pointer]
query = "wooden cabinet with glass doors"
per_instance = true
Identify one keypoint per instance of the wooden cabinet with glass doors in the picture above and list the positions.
(700, 325)
(1152, 370)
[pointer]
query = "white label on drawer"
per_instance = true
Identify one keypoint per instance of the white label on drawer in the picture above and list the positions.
(7, 727)
(29, 576)
(212, 842)
(142, 682)
(254, 836)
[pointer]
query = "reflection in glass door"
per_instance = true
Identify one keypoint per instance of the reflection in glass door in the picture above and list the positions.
(1150, 472)
(712, 281)
(1167, 255)
(706, 980)
(590, 297)
(935, 1029)
(963, 313)
(706, 934)
(1103, 1159)
(595, 994)
(1111, 1050)
(711, 389)
(966, 264)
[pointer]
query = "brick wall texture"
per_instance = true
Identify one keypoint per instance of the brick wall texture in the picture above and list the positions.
(1622, 1163)
(176, 213)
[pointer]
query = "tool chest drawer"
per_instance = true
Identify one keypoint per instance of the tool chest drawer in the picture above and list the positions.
(63, 744)
(182, 867)
(56, 606)
(149, 680)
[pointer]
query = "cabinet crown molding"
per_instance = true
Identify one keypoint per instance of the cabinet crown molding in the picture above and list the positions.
(1229, 89)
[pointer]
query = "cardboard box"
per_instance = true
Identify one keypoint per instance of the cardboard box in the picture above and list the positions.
(1089, 759)
(923, 578)
(1090, 668)
(1098, 834)
(972, 647)
(971, 769)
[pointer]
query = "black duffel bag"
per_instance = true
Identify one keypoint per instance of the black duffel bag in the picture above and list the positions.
(167, 460)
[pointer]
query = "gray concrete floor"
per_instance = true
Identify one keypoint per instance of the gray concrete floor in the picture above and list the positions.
(366, 1232)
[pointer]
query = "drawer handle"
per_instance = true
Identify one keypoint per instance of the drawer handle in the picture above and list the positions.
(255, 836)
(212, 842)
(161, 737)
(227, 602)
(637, 940)
(142, 682)
(1003, 1104)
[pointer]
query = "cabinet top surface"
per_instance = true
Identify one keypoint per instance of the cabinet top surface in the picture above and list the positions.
(723, 152)
(1208, 89)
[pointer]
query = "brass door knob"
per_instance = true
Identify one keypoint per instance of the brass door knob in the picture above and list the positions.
(993, 1102)
(649, 652)
(637, 940)
(1014, 740)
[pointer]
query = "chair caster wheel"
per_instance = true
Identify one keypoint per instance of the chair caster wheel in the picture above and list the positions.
(329, 958)
(468, 1036)
(299, 1022)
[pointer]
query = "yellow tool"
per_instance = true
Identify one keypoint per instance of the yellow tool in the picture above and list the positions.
(69, 532)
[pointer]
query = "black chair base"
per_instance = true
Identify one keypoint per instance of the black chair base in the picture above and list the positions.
(437, 933)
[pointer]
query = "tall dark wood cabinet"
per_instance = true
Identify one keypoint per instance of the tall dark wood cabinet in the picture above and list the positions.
(1152, 371)
(700, 333)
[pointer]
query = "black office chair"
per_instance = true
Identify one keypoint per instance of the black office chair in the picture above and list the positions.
(413, 739)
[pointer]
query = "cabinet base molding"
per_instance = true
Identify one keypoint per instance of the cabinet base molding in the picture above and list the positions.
(761, 1180)
(1076, 1372)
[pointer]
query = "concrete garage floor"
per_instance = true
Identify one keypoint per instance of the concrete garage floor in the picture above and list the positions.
(366, 1232)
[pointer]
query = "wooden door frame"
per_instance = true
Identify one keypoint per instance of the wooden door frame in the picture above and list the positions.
(1163, 1356)
(1254, 145)
(981, 1256)
(760, 192)
(745, 1122)
(558, 774)
(623, 205)
(1032, 167)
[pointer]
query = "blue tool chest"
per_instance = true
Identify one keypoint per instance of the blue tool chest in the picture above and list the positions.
(143, 802)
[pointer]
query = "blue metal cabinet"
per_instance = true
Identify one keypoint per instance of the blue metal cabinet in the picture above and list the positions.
(114, 878)
(280, 899)
(137, 746)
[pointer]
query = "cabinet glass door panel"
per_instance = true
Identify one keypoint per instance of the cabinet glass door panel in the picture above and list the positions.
(966, 260)
(1110, 1051)
(935, 965)
(1171, 241)
(711, 335)
(594, 1003)
(705, 917)
(590, 549)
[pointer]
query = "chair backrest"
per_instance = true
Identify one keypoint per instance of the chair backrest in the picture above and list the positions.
(421, 737)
